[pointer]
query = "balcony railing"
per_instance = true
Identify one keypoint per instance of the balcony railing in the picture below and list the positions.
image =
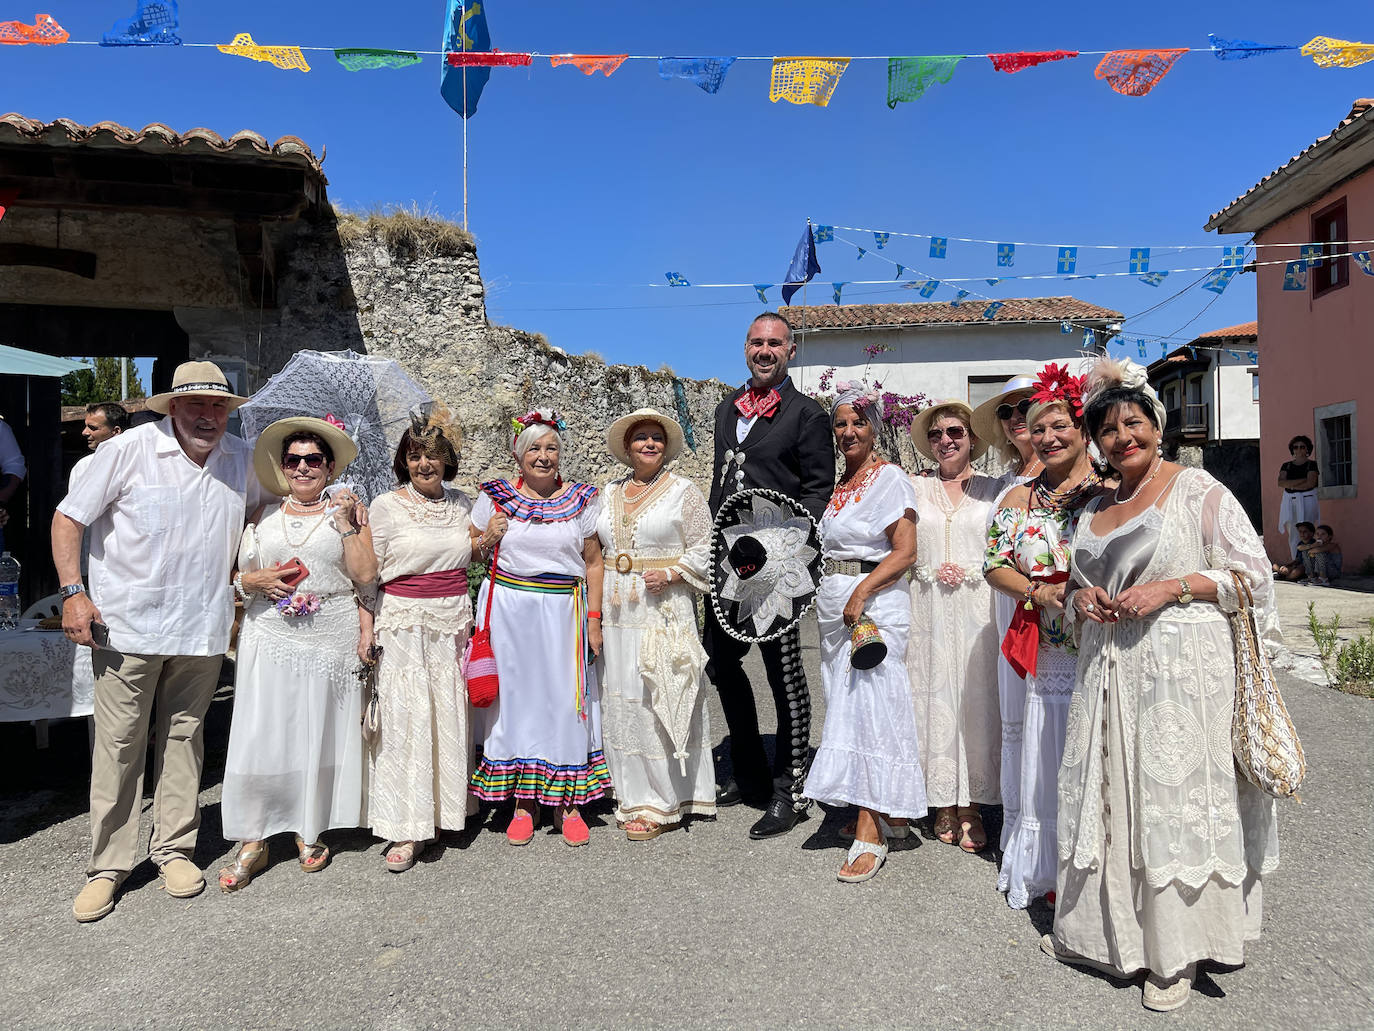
(1190, 420)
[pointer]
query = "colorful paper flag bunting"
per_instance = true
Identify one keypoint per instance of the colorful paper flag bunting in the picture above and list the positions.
(1006, 255)
(825, 234)
(1337, 53)
(938, 246)
(838, 287)
(465, 31)
(990, 312)
(1068, 259)
(361, 60)
(1134, 73)
(285, 58)
(1153, 278)
(909, 77)
(1295, 275)
(881, 239)
(1140, 260)
(706, 73)
(45, 32)
(488, 59)
(153, 23)
(589, 64)
(1010, 63)
(1363, 260)
(676, 279)
(958, 298)
(1240, 49)
(806, 80)
(1232, 257)
(762, 290)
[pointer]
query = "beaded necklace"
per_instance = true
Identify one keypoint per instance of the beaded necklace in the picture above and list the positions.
(853, 488)
(1048, 498)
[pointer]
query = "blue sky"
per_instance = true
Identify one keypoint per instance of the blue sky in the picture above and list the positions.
(584, 191)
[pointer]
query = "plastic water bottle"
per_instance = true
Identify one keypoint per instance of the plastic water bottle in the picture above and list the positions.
(9, 591)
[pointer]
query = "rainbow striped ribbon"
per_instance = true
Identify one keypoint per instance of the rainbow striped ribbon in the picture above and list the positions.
(558, 583)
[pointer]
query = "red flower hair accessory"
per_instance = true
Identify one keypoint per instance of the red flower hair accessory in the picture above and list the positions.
(1055, 384)
(538, 417)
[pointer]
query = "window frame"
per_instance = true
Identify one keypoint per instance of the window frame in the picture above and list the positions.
(1327, 224)
(1320, 416)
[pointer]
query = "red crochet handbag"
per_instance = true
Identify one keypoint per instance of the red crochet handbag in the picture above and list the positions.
(479, 661)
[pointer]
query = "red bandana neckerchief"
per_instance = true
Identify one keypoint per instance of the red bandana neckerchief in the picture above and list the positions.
(753, 402)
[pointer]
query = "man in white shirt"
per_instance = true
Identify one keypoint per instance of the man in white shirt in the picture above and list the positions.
(165, 503)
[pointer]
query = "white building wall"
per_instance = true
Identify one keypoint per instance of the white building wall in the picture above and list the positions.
(1235, 414)
(939, 361)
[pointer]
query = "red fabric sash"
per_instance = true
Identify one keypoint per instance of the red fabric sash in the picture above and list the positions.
(1021, 645)
(447, 583)
(754, 402)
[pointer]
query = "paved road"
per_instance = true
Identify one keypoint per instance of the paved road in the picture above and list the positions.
(699, 928)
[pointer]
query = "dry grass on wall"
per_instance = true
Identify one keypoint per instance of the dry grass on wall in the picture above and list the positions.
(408, 232)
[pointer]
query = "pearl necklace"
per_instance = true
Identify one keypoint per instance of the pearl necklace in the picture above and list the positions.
(427, 510)
(643, 487)
(1154, 471)
(299, 522)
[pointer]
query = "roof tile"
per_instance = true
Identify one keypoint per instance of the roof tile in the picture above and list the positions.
(1014, 310)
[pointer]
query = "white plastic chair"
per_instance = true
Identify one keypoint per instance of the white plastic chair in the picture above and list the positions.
(44, 607)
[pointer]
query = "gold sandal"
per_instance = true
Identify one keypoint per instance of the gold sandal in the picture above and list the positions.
(313, 858)
(247, 864)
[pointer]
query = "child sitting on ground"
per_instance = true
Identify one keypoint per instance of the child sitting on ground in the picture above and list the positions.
(1295, 569)
(1323, 556)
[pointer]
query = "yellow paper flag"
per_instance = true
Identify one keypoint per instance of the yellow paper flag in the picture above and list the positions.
(806, 80)
(1337, 53)
(285, 58)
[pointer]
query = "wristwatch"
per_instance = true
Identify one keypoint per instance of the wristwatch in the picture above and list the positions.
(71, 590)
(1185, 593)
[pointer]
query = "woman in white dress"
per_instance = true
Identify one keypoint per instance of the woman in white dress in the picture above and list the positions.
(1028, 565)
(295, 759)
(952, 654)
(422, 753)
(1162, 847)
(868, 755)
(541, 739)
(655, 532)
(1001, 421)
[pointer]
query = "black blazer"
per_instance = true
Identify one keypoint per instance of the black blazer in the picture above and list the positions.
(791, 451)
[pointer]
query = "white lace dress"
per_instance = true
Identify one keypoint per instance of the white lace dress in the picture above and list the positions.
(1011, 689)
(422, 756)
(653, 668)
(952, 655)
(869, 754)
(1161, 848)
(295, 759)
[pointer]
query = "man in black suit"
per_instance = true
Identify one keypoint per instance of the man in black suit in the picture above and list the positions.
(770, 435)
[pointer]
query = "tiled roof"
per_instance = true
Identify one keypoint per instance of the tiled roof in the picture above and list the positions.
(159, 139)
(1320, 148)
(943, 313)
(1245, 329)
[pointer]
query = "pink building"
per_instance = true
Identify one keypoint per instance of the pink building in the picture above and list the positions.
(1316, 325)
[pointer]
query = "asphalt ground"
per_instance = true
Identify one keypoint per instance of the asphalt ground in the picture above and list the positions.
(699, 928)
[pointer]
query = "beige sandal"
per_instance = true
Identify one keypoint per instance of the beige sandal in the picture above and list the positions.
(313, 858)
(247, 864)
(639, 829)
(405, 853)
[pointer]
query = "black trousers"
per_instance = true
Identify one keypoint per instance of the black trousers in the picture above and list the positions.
(782, 659)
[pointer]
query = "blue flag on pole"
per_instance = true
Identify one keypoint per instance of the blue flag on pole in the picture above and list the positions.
(804, 265)
(465, 31)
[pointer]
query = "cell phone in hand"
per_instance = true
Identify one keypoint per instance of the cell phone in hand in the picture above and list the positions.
(100, 634)
(293, 572)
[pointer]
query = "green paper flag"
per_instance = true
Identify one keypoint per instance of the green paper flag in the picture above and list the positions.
(908, 77)
(364, 60)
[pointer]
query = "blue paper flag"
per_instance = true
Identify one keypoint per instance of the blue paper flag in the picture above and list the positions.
(1295, 275)
(804, 265)
(1140, 344)
(1252, 356)
(990, 312)
(1363, 260)
(992, 282)
(1153, 278)
(926, 286)
(1219, 279)
(1089, 339)
(1068, 260)
(1233, 257)
(1240, 49)
(1140, 260)
(958, 298)
(825, 234)
(465, 31)
(676, 279)
(1312, 254)
(760, 288)
(707, 73)
(1006, 255)
(900, 269)
(153, 24)
(838, 287)
(862, 252)
(881, 239)
(938, 246)
(1192, 353)
(1066, 327)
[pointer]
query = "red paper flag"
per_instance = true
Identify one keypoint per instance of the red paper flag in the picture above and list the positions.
(1136, 72)
(1028, 59)
(488, 59)
(45, 32)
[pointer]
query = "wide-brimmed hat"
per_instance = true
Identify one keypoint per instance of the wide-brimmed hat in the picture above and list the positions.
(196, 378)
(672, 434)
(921, 424)
(985, 421)
(267, 450)
(765, 564)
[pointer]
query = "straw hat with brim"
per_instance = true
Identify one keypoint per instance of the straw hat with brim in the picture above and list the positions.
(267, 450)
(672, 434)
(921, 424)
(985, 421)
(196, 379)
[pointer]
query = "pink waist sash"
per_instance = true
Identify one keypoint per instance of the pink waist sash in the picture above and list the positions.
(446, 583)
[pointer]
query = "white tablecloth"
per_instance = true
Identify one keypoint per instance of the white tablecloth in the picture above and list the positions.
(43, 676)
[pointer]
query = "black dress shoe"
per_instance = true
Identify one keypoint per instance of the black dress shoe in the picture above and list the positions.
(779, 818)
(728, 794)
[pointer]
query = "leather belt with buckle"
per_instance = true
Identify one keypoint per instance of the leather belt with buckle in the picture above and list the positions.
(627, 563)
(844, 567)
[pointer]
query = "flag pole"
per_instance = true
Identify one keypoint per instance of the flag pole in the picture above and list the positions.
(801, 346)
(463, 41)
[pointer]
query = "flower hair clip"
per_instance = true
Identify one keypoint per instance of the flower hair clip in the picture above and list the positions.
(539, 417)
(1055, 384)
(866, 397)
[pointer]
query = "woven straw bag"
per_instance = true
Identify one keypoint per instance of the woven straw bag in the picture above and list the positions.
(1263, 739)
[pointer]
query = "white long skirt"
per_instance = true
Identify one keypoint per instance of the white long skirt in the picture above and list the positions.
(1011, 700)
(1030, 856)
(295, 758)
(869, 755)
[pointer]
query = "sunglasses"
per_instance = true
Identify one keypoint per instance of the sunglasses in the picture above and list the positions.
(953, 432)
(1007, 411)
(314, 460)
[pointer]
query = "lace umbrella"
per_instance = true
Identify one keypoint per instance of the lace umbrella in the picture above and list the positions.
(371, 396)
(672, 660)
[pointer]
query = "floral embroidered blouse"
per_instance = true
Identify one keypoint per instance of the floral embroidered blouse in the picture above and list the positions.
(1035, 543)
